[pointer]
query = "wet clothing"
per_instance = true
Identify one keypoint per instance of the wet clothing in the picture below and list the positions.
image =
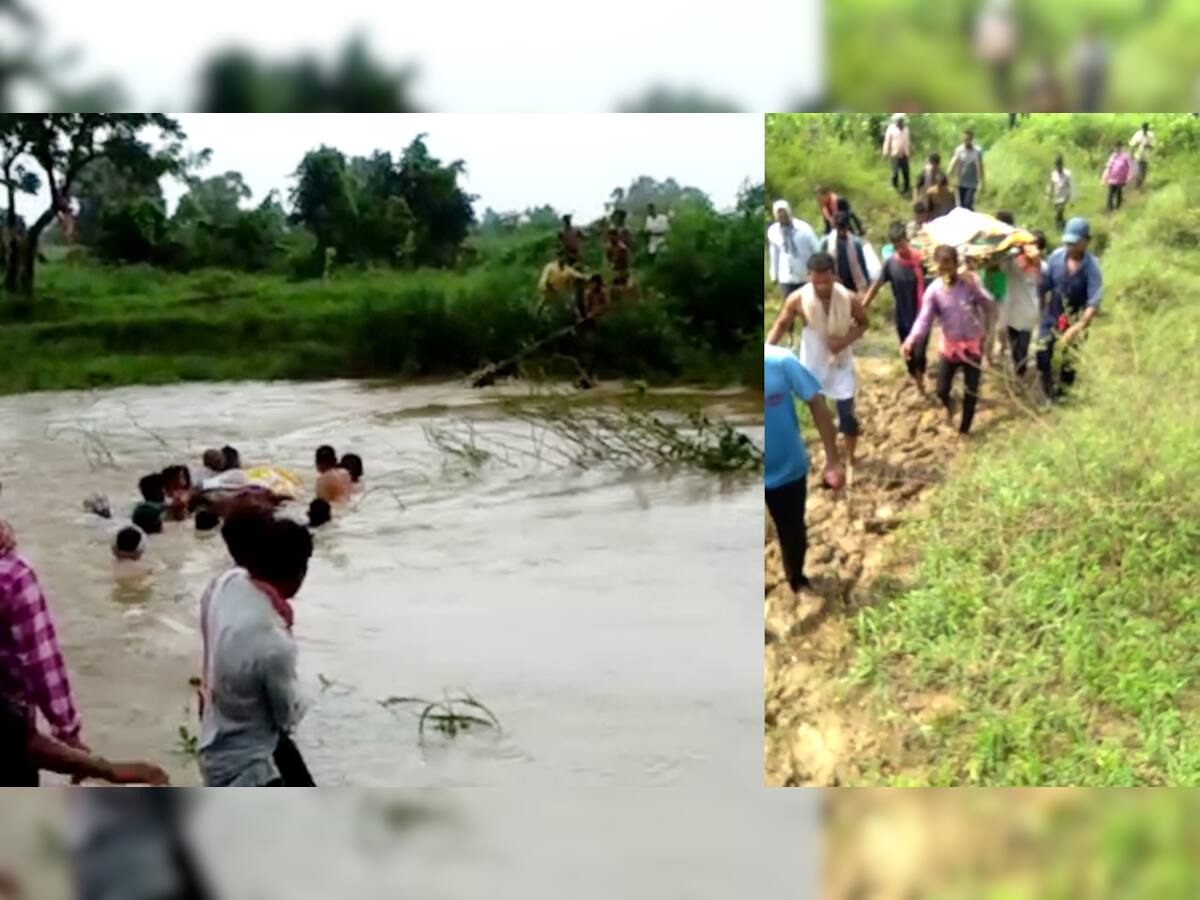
(784, 378)
(254, 693)
(33, 674)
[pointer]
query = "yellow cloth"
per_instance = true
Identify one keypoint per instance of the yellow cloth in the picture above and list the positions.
(278, 481)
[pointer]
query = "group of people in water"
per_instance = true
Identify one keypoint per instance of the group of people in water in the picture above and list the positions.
(248, 694)
(1017, 300)
(567, 277)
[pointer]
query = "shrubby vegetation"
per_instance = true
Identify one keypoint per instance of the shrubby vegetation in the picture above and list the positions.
(373, 266)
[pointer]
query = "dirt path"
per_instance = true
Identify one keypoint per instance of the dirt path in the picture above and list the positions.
(813, 736)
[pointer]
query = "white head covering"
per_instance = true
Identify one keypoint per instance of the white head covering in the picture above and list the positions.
(781, 204)
(897, 117)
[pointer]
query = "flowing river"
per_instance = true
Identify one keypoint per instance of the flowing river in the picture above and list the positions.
(607, 618)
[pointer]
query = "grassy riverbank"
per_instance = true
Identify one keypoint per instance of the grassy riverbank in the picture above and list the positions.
(96, 326)
(1038, 625)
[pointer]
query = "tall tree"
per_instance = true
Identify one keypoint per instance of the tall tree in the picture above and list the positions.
(323, 200)
(103, 188)
(442, 209)
(64, 145)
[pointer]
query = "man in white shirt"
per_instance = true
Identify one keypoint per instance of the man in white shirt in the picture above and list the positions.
(790, 243)
(656, 228)
(1142, 143)
(897, 146)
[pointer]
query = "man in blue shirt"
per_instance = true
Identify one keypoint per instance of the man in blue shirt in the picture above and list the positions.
(786, 459)
(1070, 290)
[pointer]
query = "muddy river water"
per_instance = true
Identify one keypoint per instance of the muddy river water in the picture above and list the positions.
(607, 618)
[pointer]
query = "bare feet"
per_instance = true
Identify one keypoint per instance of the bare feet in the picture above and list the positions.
(809, 605)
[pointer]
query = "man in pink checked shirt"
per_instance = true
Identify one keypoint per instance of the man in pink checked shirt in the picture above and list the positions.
(32, 672)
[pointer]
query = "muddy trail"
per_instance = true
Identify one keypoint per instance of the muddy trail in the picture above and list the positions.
(815, 734)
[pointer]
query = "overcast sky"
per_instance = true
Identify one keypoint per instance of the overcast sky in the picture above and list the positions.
(472, 55)
(513, 161)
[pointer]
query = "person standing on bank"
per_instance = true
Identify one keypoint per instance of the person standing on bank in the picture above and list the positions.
(897, 147)
(966, 169)
(1071, 290)
(790, 242)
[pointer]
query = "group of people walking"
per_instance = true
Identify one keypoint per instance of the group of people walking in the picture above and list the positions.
(1021, 300)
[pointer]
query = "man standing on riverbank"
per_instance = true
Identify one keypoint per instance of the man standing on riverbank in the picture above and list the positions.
(33, 675)
(1074, 285)
(785, 474)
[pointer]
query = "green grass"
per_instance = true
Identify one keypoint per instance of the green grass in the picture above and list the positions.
(1055, 588)
(911, 52)
(93, 326)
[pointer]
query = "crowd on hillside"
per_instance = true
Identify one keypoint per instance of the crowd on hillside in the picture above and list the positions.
(998, 313)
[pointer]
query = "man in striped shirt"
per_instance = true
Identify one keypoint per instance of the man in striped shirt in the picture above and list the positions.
(33, 674)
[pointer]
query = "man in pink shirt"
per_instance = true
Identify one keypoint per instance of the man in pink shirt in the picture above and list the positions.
(897, 146)
(1116, 173)
(962, 306)
(33, 675)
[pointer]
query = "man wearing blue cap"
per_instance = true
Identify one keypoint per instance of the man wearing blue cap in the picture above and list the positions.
(1074, 285)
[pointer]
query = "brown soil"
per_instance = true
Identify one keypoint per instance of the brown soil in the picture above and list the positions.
(884, 844)
(815, 737)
